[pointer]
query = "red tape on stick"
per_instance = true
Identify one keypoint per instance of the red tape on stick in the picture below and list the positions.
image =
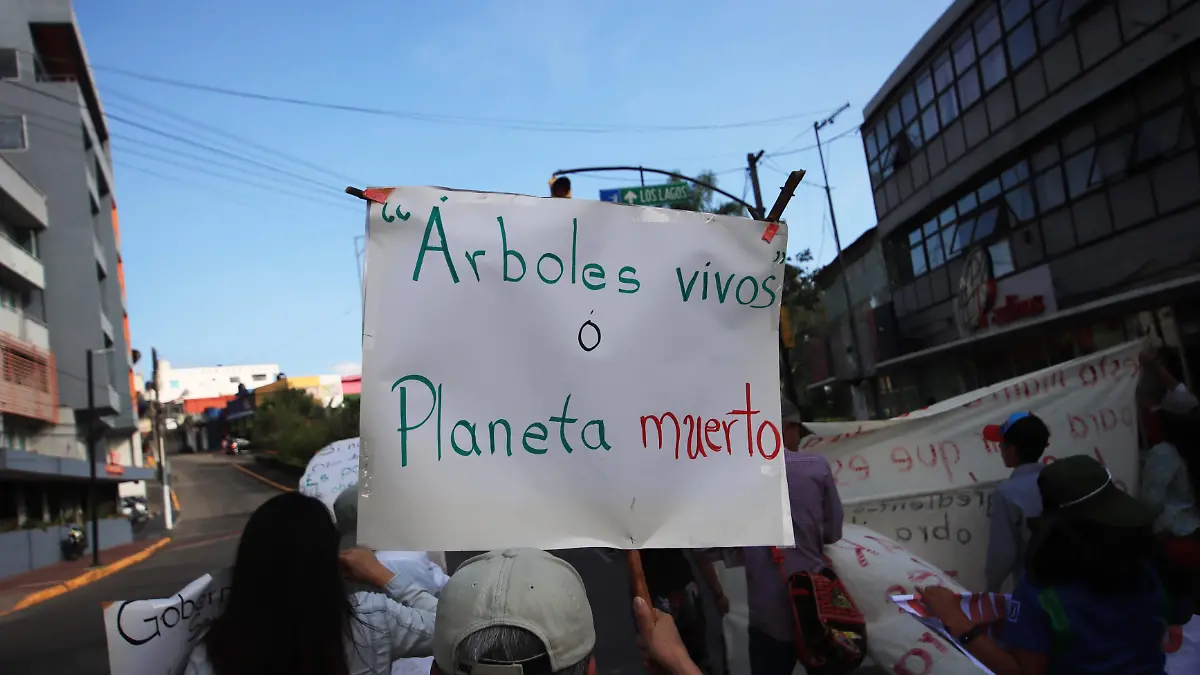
(377, 195)
(769, 233)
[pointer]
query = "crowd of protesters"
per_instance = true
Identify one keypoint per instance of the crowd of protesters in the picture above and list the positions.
(1103, 582)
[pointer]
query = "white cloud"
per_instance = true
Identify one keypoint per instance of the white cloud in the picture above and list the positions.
(348, 368)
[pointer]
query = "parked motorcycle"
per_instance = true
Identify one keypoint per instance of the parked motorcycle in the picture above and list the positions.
(74, 545)
(136, 510)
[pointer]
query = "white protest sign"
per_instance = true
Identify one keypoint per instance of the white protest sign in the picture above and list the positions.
(563, 373)
(154, 637)
(331, 470)
(926, 479)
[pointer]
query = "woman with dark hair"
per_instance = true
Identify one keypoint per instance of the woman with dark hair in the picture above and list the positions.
(289, 609)
(1095, 599)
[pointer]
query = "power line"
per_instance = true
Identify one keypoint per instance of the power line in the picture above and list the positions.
(181, 139)
(806, 148)
(229, 134)
(510, 123)
(316, 198)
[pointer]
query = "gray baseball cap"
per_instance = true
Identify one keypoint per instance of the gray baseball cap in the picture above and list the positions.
(520, 587)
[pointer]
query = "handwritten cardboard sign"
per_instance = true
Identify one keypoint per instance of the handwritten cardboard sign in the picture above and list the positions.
(564, 373)
(153, 637)
(925, 480)
(331, 470)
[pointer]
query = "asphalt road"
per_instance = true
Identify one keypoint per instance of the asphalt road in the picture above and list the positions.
(65, 635)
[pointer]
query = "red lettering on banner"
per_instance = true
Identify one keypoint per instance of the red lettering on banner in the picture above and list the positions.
(901, 667)
(1024, 390)
(860, 550)
(931, 639)
(856, 463)
(1104, 420)
(928, 456)
(1108, 369)
(814, 441)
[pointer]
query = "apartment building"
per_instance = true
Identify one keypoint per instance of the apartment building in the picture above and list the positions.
(62, 296)
(1037, 189)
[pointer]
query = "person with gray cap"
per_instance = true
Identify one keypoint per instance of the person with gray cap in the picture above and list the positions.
(523, 611)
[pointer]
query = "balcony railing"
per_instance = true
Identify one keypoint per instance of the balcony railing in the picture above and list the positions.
(28, 386)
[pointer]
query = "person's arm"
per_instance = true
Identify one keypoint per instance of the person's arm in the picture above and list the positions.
(1162, 465)
(834, 515)
(409, 631)
(1004, 538)
(1027, 631)
(709, 574)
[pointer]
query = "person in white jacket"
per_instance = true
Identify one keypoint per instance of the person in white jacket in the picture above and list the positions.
(290, 610)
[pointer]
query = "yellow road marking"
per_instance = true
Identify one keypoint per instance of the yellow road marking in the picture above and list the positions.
(268, 481)
(87, 577)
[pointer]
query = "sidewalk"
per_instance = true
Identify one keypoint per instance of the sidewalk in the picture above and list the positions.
(23, 590)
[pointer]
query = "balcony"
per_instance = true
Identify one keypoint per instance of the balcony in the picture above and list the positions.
(28, 386)
(106, 324)
(25, 329)
(21, 262)
(98, 252)
(28, 202)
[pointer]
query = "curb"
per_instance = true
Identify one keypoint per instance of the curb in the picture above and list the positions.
(86, 578)
(175, 501)
(268, 481)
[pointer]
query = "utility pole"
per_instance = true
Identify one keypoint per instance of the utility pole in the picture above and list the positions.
(752, 164)
(837, 242)
(93, 506)
(157, 425)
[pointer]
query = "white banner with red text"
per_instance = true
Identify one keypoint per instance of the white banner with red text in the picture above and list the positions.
(925, 479)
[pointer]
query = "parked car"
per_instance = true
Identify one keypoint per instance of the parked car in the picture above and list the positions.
(236, 446)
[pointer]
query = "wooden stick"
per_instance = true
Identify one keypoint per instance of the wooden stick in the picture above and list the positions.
(637, 576)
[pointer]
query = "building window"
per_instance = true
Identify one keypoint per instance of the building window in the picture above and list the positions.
(10, 65)
(12, 133)
(1021, 45)
(258, 377)
(235, 380)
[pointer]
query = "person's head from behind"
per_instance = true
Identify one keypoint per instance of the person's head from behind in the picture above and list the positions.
(1023, 438)
(561, 187)
(514, 612)
(1090, 530)
(793, 425)
(288, 610)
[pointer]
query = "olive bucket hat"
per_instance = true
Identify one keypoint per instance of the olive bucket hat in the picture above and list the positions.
(1079, 488)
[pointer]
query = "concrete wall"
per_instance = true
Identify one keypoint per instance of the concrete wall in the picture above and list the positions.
(25, 550)
(76, 304)
(212, 381)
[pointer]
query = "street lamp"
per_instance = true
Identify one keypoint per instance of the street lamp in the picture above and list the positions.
(91, 444)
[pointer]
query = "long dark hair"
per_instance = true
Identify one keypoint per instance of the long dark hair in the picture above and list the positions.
(1183, 432)
(1105, 559)
(288, 611)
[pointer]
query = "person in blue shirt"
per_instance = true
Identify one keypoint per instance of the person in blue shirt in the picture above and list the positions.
(1096, 597)
(1023, 438)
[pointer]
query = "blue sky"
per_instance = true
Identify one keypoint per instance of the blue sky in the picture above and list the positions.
(223, 273)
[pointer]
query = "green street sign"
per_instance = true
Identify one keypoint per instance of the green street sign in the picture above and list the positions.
(655, 195)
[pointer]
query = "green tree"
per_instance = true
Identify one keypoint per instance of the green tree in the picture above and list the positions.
(705, 200)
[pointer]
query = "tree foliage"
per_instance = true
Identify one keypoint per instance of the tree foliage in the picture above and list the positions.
(704, 200)
(295, 425)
